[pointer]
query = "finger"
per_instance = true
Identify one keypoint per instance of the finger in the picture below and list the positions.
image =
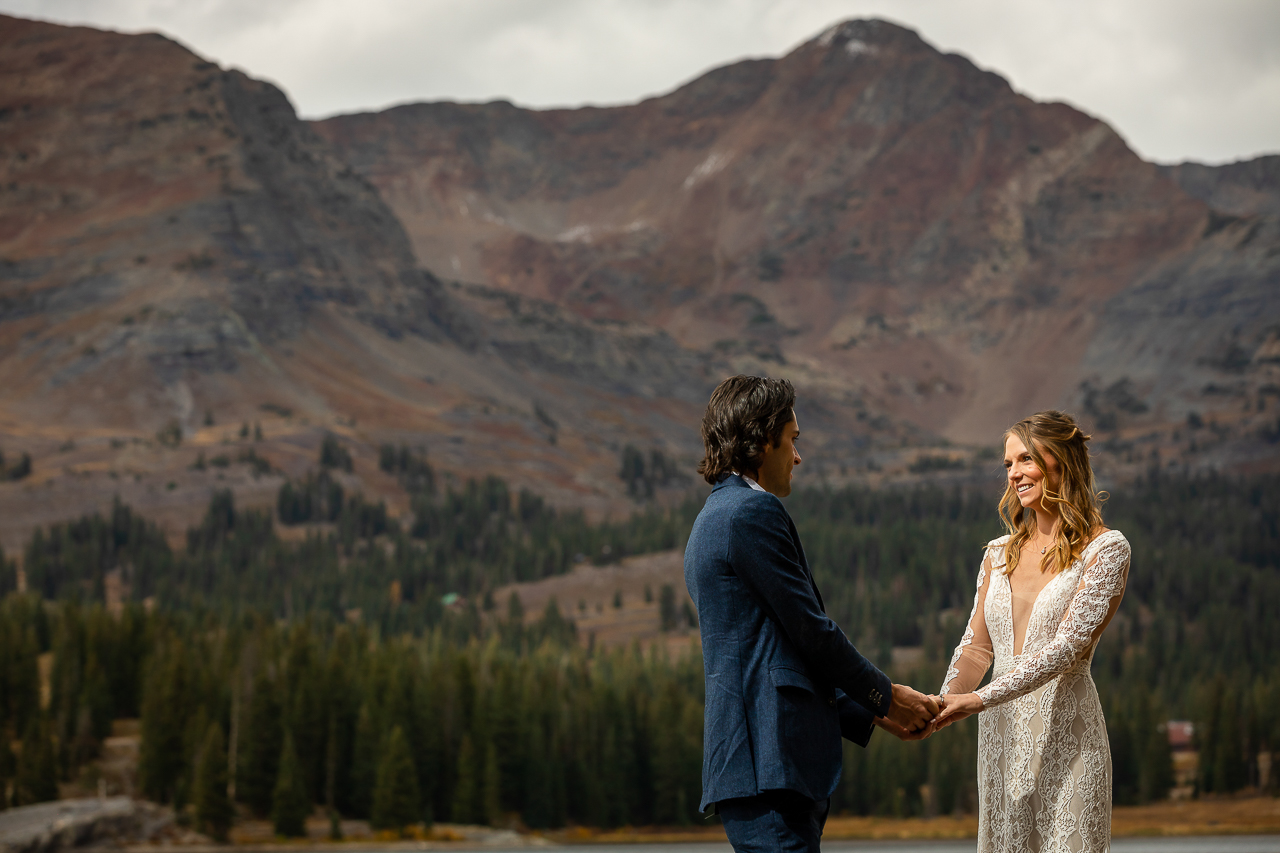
(891, 726)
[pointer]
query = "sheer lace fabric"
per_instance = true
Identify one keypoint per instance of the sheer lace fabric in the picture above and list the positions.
(1044, 764)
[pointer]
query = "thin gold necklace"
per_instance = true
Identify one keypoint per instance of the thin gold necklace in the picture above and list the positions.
(1046, 545)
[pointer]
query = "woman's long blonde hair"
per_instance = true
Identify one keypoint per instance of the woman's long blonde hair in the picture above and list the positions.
(1078, 504)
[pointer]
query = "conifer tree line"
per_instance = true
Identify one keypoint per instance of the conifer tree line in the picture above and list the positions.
(524, 724)
(247, 662)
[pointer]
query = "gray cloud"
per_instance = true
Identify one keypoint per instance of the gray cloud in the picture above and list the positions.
(1180, 79)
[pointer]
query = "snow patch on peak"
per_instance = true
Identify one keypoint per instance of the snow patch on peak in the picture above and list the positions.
(855, 36)
(829, 35)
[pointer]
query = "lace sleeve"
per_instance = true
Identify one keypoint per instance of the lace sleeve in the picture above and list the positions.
(972, 658)
(1094, 603)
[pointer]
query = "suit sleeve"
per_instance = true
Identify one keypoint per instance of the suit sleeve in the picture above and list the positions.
(763, 553)
(856, 722)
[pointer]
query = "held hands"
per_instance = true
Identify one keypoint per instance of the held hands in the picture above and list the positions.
(911, 714)
(956, 707)
(915, 716)
(900, 733)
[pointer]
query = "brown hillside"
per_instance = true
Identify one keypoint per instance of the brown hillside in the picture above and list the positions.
(926, 253)
(176, 247)
(889, 223)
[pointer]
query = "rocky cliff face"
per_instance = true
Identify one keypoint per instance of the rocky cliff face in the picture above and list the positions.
(926, 253)
(890, 224)
(180, 254)
(1237, 189)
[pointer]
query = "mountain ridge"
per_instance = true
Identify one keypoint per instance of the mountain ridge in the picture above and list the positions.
(916, 210)
(926, 253)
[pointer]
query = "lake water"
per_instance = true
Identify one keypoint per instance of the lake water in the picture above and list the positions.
(1199, 844)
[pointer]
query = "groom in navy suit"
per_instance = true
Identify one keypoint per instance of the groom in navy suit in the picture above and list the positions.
(783, 682)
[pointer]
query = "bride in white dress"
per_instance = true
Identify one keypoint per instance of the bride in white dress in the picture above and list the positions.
(1045, 593)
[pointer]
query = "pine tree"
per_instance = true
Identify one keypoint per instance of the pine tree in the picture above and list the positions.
(364, 760)
(669, 750)
(36, 780)
(1157, 766)
(396, 797)
(491, 797)
(8, 766)
(214, 812)
(260, 767)
(667, 607)
(467, 785)
(290, 803)
(1230, 770)
(539, 808)
(165, 708)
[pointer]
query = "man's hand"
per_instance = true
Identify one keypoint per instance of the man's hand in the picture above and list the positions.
(899, 732)
(911, 709)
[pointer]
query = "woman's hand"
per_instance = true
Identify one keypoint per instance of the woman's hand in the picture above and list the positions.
(956, 707)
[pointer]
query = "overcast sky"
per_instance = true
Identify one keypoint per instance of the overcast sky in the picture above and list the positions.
(1179, 79)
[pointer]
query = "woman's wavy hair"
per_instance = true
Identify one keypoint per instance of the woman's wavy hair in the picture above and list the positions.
(1078, 504)
(746, 413)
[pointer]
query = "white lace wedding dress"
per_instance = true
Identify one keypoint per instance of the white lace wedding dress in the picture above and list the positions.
(1044, 764)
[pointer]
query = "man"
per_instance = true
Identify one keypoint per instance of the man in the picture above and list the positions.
(783, 682)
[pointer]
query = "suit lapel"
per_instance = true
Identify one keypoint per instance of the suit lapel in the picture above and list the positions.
(804, 561)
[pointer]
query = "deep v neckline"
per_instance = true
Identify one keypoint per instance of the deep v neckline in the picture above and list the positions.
(1035, 602)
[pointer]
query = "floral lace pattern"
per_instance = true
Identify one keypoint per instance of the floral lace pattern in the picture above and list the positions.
(1044, 764)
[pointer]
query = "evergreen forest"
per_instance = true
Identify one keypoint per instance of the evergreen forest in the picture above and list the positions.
(367, 669)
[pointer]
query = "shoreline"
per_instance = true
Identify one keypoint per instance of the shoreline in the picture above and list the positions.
(1216, 816)
(123, 824)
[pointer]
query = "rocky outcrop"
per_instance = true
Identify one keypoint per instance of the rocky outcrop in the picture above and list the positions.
(1235, 189)
(86, 823)
(175, 242)
(164, 220)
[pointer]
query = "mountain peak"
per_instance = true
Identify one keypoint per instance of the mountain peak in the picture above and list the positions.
(857, 36)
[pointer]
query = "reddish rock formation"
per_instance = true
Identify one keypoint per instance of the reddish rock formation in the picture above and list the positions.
(177, 247)
(892, 224)
(925, 252)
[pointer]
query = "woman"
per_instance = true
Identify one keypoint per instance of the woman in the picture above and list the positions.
(1045, 594)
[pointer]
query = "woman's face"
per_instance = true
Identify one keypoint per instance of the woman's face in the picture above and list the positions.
(1025, 477)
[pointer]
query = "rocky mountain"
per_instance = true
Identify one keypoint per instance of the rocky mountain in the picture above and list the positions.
(893, 225)
(1239, 189)
(181, 257)
(189, 271)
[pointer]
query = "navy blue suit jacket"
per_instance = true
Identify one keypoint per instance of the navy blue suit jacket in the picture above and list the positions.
(783, 681)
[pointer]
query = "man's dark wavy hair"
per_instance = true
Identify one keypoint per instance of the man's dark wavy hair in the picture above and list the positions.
(745, 414)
